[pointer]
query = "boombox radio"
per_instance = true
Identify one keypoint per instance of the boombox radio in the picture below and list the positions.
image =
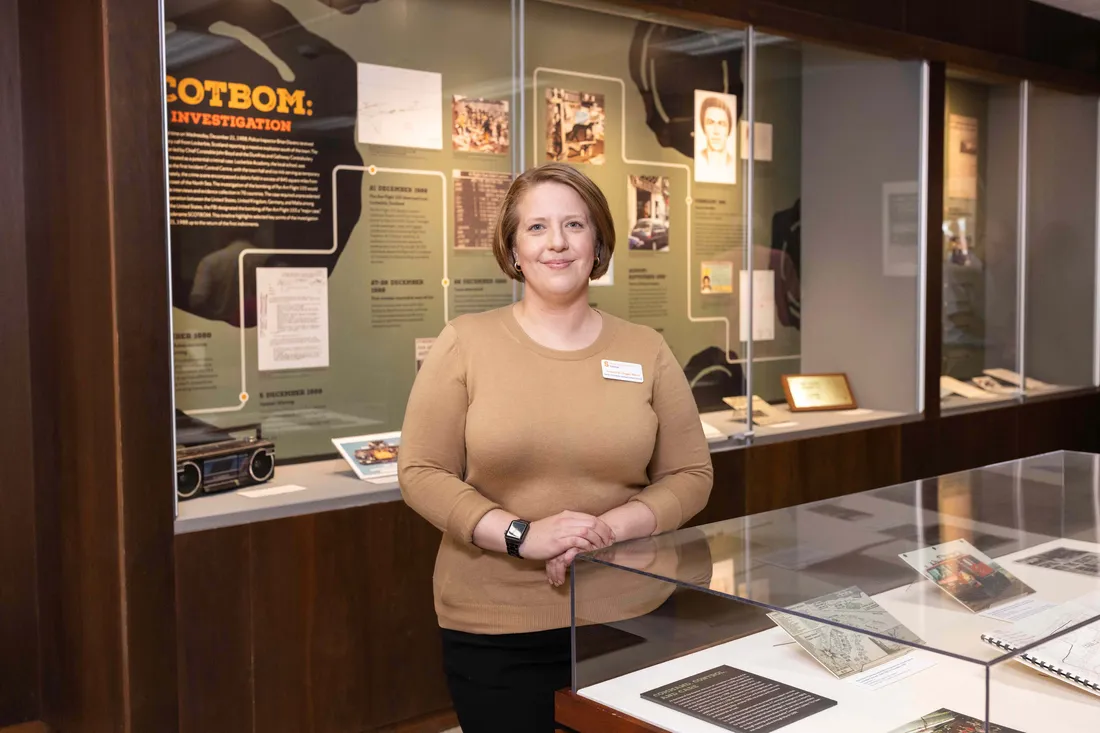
(224, 465)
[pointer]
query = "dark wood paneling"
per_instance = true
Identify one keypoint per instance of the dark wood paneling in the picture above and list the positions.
(788, 18)
(434, 723)
(214, 646)
(342, 600)
(727, 497)
(865, 12)
(70, 265)
(101, 391)
(933, 272)
(402, 610)
(34, 727)
(1060, 424)
(284, 593)
(142, 362)
(989, 25)
(960, 442)
(1060, 38)
(302, 625)
(785, 474)
(19, 672)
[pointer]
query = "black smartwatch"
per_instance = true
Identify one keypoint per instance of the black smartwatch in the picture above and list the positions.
(514, 535)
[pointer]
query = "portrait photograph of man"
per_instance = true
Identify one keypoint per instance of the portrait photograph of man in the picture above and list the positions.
(715, 143)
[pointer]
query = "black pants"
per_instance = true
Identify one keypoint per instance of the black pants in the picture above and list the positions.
(506, 683)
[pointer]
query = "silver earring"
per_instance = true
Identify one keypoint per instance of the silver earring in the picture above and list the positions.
(597, 262)
(516, 263)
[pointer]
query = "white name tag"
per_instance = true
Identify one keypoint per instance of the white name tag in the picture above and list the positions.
(624, 371)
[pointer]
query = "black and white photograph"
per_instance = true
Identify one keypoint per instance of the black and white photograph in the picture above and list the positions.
(1081, 562)
(715, 142)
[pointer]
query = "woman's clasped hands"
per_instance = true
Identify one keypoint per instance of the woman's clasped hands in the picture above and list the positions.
(558, 539)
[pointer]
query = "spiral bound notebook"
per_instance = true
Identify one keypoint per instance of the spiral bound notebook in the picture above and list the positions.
(1074, 657)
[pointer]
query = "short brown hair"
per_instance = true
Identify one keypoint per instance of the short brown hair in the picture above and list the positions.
(504, 240)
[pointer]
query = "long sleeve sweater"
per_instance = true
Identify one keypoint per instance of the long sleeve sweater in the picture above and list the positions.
(497, 420)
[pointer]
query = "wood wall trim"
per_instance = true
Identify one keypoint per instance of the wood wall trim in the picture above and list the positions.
(865, 25)
(134, 85)
(20, 696)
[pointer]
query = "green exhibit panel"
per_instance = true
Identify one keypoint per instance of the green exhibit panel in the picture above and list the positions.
(334, 181)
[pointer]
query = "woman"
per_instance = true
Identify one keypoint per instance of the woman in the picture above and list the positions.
(535, 432)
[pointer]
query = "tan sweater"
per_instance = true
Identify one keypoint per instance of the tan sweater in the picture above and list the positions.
(496, 420)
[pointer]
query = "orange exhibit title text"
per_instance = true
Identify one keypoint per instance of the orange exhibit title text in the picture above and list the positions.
(238, 97)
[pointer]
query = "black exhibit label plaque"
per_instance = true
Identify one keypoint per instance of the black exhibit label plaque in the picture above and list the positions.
(739, 701)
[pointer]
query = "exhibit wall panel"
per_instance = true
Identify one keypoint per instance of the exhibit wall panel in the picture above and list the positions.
(19, 674)
(643, 83)
(334, 176)
(861, 165)
(1061, 238)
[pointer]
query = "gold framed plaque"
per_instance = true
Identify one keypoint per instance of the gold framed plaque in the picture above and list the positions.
(809, 392)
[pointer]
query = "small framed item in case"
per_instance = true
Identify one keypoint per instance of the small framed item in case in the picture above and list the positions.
(811, 392)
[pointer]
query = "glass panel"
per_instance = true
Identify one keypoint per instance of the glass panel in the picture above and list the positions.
(837, 229)
(333, 177)
(1061, 241)
(888, 592)
(980, 241)
(662, 99)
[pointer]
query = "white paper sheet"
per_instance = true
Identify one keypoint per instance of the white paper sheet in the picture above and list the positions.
(399, 107)
(710, 432)
(291, 318)
(1019, 610)
(272, 491)
(878, 677)
(762, 145)
(900, 228)
(763, 296)
(423, 347)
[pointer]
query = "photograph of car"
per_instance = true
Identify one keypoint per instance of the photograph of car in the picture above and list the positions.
(649, 234)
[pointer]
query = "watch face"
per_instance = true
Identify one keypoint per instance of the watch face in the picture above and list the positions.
(514, 532)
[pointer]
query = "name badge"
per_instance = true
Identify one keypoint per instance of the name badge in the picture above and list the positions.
(623, 371)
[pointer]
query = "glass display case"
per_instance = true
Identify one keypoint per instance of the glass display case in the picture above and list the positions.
(981, 240)
(936, 605)
(1060, 286)
(838, 193)
(335, 170)
(1019, 242)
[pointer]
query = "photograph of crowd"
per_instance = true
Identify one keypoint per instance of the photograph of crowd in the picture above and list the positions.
(480, 125)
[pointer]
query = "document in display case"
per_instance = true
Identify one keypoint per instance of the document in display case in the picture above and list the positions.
(946, 604)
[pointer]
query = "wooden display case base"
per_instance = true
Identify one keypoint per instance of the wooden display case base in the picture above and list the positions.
(575, 714)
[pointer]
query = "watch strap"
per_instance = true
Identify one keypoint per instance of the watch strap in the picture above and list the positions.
(511, 542)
